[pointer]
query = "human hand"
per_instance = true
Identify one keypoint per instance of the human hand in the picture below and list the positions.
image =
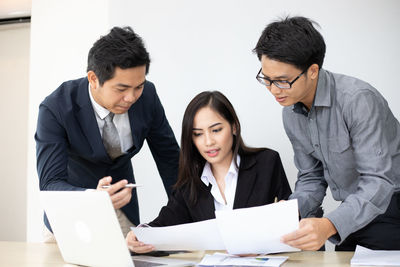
(311, 235)
(137, 246)
(119, 194)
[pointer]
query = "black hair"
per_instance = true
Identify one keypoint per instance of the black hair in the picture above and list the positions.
(191, 163)
(292, 40)
(122, 48)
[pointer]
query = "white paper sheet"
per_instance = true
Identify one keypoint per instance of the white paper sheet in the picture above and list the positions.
(365, 256)
(192, 236)
(220, 259)
(258, 229)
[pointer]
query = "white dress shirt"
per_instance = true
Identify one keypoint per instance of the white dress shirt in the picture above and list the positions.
(121, 121)
(230, 185)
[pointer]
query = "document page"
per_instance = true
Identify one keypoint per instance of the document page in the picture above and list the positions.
(202, 235)
(220, 259)
(365, 256)
(259, 229)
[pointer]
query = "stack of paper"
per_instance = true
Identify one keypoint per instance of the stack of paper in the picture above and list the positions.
(220, 259)
(241, 231)
(365, 256)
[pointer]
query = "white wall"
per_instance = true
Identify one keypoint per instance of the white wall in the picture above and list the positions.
(62, 33)
(14, 83)
(206, 45)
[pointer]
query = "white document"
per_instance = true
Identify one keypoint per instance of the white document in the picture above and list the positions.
(220, 259)
(241, 231)
(202, 235)
(258, 229)
(365, 256)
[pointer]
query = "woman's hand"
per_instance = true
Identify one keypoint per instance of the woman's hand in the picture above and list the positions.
(135, 245)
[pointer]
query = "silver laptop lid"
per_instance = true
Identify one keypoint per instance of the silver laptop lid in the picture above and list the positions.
(86, 228)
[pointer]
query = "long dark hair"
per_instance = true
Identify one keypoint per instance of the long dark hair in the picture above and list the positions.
(191, 163)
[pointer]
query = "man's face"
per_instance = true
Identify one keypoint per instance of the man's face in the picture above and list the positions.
(302, 90)
(119, 93)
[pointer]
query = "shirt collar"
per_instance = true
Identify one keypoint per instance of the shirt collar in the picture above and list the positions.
(207, 176)
(100, 111)
(322, 94)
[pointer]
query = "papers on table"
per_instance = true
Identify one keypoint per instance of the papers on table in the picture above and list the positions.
(240, 231)
(365, 256)
(220, 259)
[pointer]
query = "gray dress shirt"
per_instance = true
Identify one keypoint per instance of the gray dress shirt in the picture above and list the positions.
(349, 141)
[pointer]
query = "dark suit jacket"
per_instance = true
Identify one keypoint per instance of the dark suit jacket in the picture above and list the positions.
(261, 178)
(70, 152)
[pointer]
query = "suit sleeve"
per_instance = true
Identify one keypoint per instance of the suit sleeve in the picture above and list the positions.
(175, 212)
(163, 146)
(51, 152)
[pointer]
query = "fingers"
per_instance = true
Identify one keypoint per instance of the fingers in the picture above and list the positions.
(301, 232)
(121, 198)
(117, 186)
(305, 242)
(104, 181)
(137, 246)
(308, 237)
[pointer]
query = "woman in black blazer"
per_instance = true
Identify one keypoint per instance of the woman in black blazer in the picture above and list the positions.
(216, 169)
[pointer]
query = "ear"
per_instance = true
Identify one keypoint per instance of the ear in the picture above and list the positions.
(234, 129)
(92, 78)
(313, 71)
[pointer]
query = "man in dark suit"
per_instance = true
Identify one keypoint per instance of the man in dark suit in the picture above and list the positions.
(89, 129)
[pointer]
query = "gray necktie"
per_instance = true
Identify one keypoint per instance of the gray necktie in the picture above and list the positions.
(111, 138)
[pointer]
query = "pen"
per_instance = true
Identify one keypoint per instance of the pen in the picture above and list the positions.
(126, 186)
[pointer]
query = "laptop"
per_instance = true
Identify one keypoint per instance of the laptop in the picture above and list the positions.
(88, 233)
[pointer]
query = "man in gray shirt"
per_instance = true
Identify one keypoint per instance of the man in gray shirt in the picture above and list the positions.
(343, 135)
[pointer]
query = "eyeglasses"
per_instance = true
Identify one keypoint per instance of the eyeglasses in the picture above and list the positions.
(278, 83)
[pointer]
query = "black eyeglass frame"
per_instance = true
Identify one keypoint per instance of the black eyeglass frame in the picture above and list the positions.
(263, 80)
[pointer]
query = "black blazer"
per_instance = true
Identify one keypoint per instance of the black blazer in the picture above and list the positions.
(261, 178)
(70, 152)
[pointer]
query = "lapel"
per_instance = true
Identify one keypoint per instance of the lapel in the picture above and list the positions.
(88, 123)
(134, 119)
(204, 208)
(136, 123)
(246, 179)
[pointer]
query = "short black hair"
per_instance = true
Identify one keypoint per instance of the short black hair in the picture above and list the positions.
(292, 40)
(122, 48)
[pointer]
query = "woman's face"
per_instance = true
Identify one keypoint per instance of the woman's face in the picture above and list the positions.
(213, 137)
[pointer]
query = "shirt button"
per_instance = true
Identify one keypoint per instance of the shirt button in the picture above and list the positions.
(334, 188)
(316, 145)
